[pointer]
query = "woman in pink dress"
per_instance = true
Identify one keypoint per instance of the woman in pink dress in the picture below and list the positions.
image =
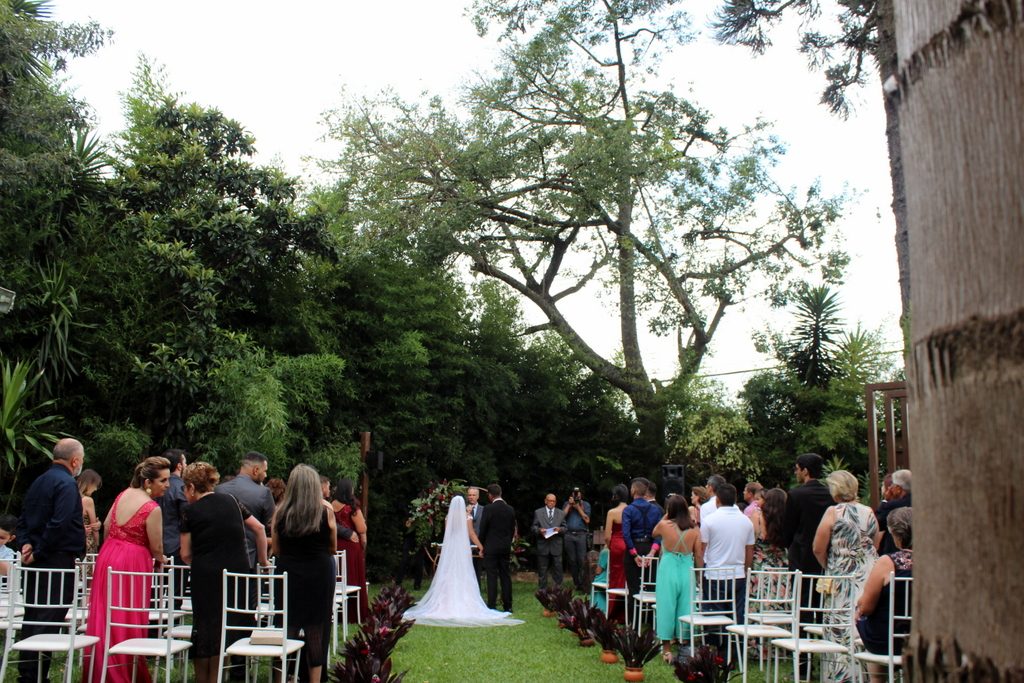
(134, 543)
(352, 539)
(616, 550)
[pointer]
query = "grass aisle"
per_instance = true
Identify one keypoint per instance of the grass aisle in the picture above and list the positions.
(535, 652)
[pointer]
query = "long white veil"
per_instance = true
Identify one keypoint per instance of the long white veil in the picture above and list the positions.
(453, 598)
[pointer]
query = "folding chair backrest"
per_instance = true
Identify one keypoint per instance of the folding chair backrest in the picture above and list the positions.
(51, 590)
(714, 590)
(820, 601)
(134, 599)
(8, 579)
(341, 560)
(649, 575)
(770, 595)
(241, 614)
(900, 613)
(141, 601)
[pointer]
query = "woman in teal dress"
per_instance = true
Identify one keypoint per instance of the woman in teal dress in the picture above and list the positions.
(600, 600)
(679, 544)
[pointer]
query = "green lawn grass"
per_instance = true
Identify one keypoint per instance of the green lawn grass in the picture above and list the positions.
(536, 652)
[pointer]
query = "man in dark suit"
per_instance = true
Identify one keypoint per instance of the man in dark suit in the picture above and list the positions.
(497, 528)
(805, 506)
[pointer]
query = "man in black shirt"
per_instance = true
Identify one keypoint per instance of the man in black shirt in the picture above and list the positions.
(52, 535)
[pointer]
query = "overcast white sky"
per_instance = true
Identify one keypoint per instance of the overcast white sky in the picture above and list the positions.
(277, 67)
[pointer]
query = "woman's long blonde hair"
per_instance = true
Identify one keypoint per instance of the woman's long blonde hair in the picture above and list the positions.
(301, 509)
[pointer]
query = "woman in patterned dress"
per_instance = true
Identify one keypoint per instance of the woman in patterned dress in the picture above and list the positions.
(769, 544)
(845, 545)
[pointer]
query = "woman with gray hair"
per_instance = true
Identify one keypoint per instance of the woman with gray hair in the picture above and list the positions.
(873, 606)
(845, 546)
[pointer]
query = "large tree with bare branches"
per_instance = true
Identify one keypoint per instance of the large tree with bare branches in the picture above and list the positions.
(573, 168)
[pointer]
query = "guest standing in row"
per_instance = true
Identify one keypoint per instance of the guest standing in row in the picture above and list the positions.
(212, 539)
(680, 552)
(845, 545)
(577, 526)
(304, 541)
(172, 504)
(351, 532)
(616, 550)
(247, 490)
(698, 496)
(638, 522)
(51, 535)
(134, 543)
(89, 482)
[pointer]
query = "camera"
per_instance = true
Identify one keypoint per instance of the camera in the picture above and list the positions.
(576, 495)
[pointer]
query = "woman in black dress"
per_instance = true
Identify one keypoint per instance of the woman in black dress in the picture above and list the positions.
(304, 541)
(212, 540)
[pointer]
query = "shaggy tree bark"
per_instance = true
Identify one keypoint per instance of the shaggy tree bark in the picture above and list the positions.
(961, 103)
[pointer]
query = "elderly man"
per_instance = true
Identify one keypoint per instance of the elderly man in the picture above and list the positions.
(52, 535)
(549, 526)
(897, 495)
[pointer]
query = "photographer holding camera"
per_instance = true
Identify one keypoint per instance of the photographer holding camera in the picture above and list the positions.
(577, 520)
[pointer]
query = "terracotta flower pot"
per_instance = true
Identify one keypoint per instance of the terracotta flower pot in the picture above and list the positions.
(609, 656)
(548, 613)
(586, 642)
(633, 674)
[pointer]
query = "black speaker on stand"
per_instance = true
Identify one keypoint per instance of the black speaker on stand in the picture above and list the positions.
(673, 480)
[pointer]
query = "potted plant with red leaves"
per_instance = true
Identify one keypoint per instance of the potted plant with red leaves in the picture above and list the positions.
(576, 619)
(367, 670)
(706, 665)
(544, 597)
(603, 630)
(636, 649)
(560, 599)
(391, 603)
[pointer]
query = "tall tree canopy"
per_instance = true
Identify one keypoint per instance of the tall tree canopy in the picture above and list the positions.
(573, 168)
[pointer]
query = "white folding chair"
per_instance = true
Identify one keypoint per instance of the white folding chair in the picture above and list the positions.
(808, 631)
(712, 603)
(644, 601)
(899, 615)
(9, 567)
(343, 592)
(768, 613)
(40, 600)
(141, 602)
(181, 598)
(238, 616)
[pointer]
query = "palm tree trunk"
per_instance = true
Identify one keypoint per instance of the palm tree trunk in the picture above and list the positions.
(962, 130)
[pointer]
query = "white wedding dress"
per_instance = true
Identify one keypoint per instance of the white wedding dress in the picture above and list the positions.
(453, 598)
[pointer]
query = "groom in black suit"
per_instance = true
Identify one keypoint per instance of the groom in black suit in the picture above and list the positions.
(497, 527)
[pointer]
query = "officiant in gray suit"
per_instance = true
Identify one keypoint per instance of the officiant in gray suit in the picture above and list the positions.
(549, 527)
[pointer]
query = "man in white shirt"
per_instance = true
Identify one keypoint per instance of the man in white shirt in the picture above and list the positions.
(728, 541)
(709, 507)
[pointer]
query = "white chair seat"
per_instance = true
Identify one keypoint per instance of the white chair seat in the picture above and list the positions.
(757, 631)
(809, 645)
(53, 642)
(708, 620)
(149, 647)
(872, 658)
(619, 592)
(600, 585)
(815, 630)
(244, 648)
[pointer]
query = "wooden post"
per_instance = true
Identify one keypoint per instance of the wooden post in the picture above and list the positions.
(364, 450)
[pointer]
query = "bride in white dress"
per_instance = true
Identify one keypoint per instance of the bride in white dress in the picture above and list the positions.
(453, 598)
